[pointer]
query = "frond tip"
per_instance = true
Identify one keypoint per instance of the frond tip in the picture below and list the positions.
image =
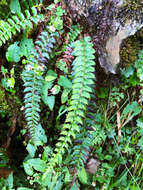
(33, 80)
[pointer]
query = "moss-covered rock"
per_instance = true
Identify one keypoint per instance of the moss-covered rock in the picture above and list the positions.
(130, 49)
(110, 22)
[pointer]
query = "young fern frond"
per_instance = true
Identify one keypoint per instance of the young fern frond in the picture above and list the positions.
(18, 22)
(33, 81)
(83, 77)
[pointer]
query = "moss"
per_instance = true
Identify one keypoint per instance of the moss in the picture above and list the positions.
(4, 9)
(130, 49)
(9, 103)
(4, 107)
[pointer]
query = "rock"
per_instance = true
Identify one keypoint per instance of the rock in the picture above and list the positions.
(112, 48)
(109, 23)
(92, 165)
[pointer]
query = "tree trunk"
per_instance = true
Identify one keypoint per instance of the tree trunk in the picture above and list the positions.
(109, 22)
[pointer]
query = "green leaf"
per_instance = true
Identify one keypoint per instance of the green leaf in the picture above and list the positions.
(35, 163)
(140, 125)
(31, 149)
(3, 70)
(102, 93)
(15, 6)
(50, 7)
(34, 11)
(13, 53)
(28, 168)
(65, 82)
(82, 175)
(12, 71)
(11, 82)
(51, 102)
(140, 143)
(59, 184)
(51, 75)
(64, 96)
(133, 108)
(61, 111)
(60, 11)
(47, 152)
(4, 83)
(40, 136)
(67, 178)
(26, 46)
(127, 72)
(46, 178)
(46, 85)
(74, 187)
(9, 181)
(108, 157)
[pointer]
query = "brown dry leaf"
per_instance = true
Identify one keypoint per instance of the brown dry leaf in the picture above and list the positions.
(92, 166)
(119, 125)
(5, 172)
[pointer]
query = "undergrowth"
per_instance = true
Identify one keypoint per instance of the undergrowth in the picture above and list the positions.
(77, 133)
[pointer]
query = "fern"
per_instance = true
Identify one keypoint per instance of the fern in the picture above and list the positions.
(88, 137)
(84, 139)
(29, 3)
(33, 80)
(17, 22)
(83, 68)
(81, 149)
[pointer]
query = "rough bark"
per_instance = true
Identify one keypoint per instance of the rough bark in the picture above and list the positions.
(109, 22)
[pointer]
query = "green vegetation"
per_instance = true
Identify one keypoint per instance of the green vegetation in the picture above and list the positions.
(63, 124)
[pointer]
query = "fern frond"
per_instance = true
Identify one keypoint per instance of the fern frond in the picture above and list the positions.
(27, 4)
(81, 149)
(83, 77)
(33, 84)
(84, 139)
(33, 80)
(18, 22)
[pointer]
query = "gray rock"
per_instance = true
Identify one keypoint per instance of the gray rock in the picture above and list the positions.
(109, 22)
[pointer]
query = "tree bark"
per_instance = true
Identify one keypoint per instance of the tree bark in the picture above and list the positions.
(109, 22)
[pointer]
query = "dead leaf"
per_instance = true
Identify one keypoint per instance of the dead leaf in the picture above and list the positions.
(119, 125)
(5, 172)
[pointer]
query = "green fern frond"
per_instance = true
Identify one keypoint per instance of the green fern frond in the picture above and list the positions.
(33, 80)
(33, 84)
(83, 77)
(84, 140)
(18, 22)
